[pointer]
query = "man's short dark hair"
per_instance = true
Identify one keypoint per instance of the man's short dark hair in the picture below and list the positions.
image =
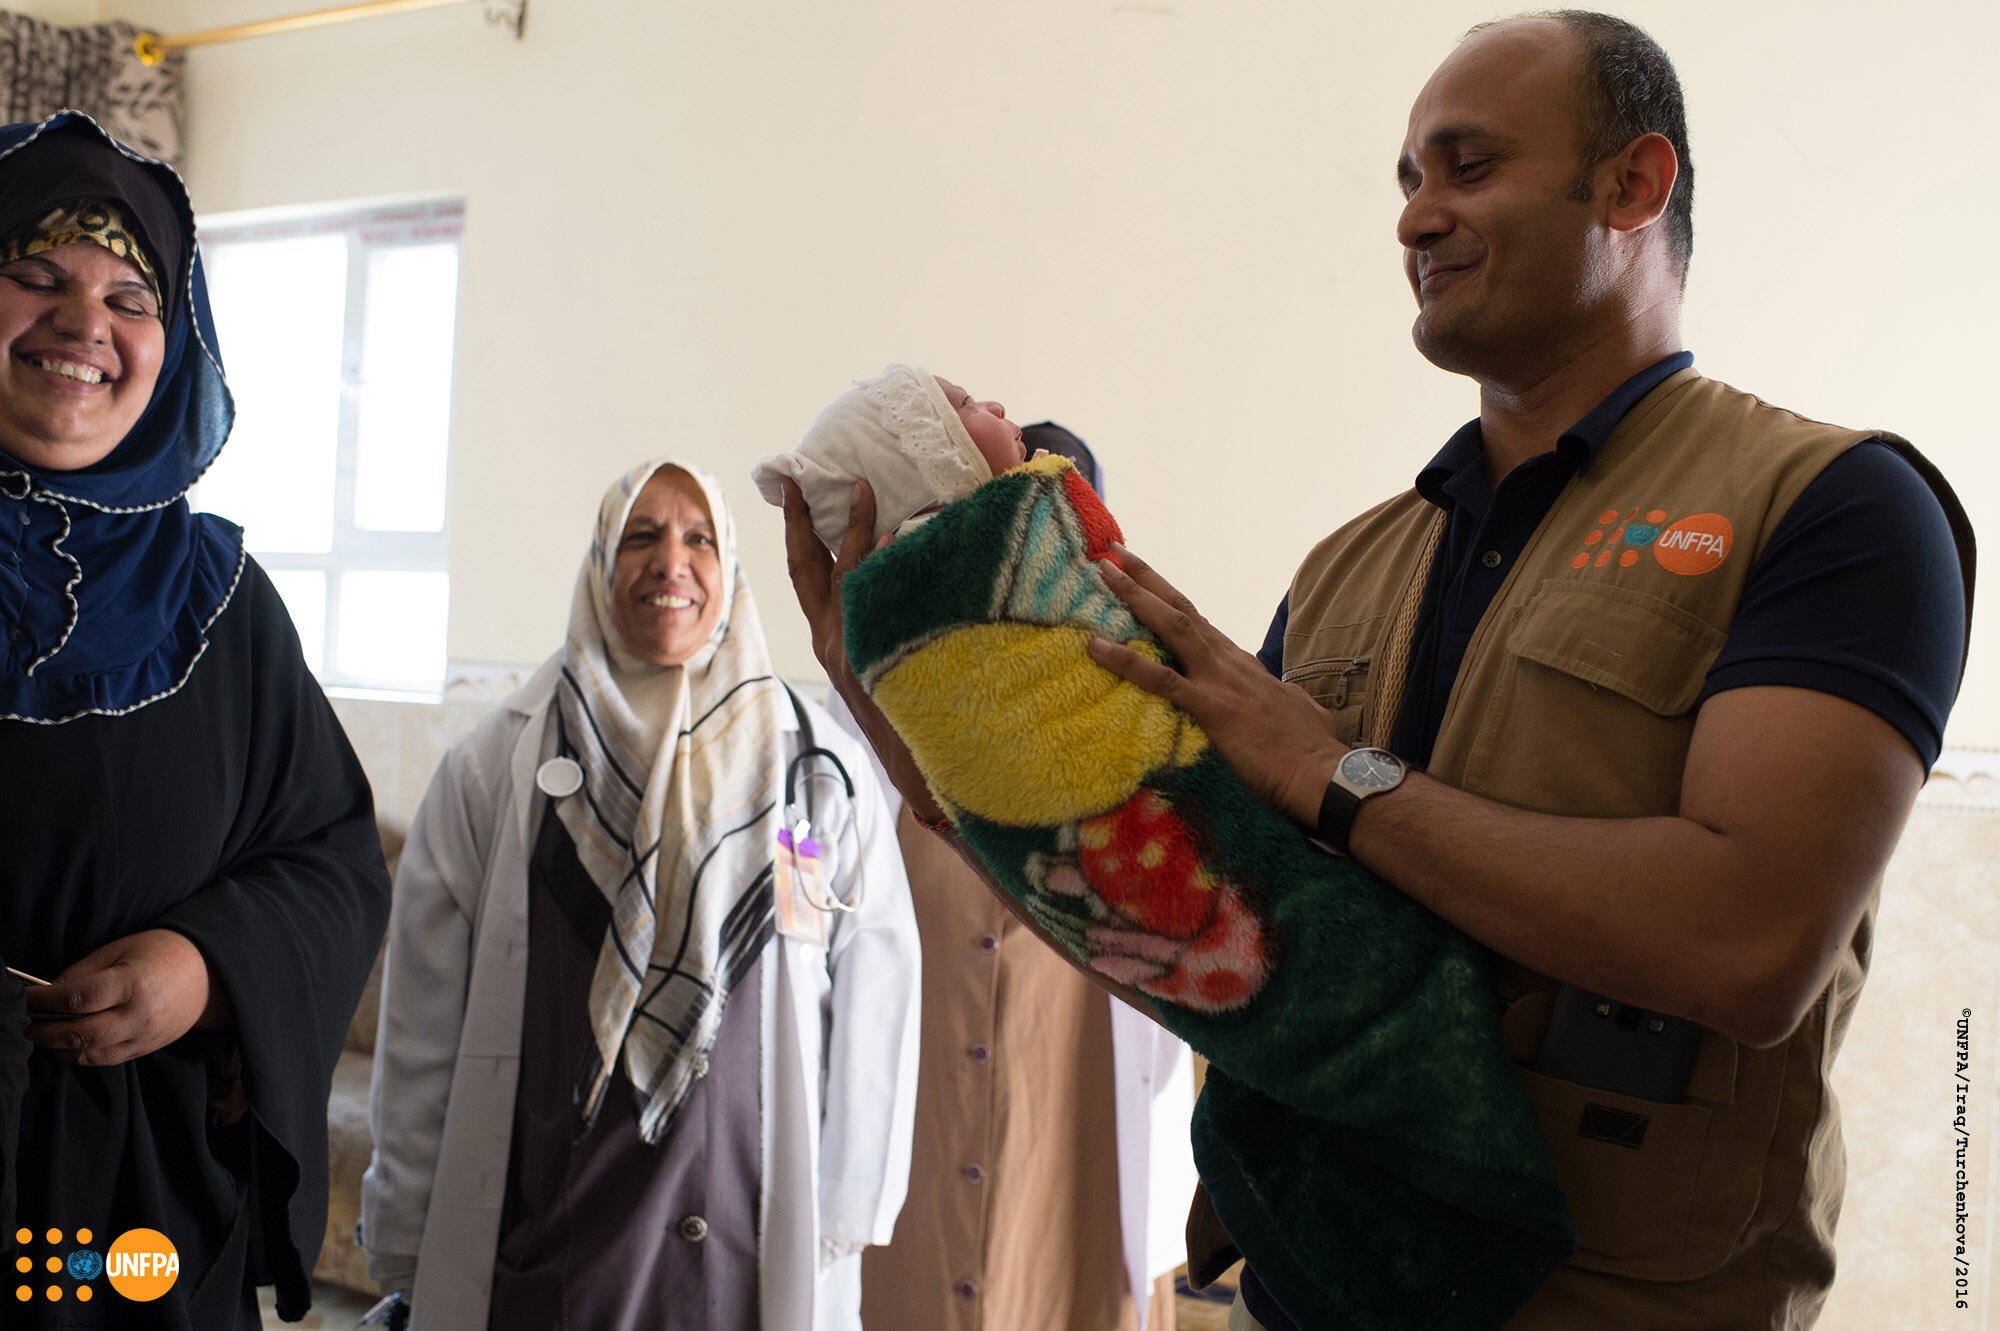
(1627, 87)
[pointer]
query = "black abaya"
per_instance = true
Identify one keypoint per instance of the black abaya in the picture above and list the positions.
(234, 812)
(14, 1051)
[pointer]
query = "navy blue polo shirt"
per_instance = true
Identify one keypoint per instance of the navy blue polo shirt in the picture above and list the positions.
(1858, 594)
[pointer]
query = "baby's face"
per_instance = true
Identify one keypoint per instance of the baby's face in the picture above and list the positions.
(998, 439)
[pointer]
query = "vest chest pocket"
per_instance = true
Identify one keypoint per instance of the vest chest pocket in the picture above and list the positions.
(1340, 680)
(1653, 652)
(1606, 679)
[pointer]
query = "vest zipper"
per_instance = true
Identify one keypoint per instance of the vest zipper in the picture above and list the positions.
(1358, 666)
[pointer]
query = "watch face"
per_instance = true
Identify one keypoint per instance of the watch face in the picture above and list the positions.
(1371, 769)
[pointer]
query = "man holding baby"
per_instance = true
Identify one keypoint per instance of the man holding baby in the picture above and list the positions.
(1635, 686)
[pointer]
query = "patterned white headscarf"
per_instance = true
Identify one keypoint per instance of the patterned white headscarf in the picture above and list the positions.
(678, 817)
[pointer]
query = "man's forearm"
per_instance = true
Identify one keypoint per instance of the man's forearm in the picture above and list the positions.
(1572, 898)
(1732, 912)
(1625, 907)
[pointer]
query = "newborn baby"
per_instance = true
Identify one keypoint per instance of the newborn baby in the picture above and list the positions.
(918, 439)
(1358, 1103)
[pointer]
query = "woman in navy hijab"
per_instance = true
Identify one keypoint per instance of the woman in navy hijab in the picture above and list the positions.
(190, 859)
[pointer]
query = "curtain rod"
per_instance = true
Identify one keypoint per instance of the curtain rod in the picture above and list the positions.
(151, 48)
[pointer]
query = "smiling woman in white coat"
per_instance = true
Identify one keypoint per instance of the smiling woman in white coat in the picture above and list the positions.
(648, 1044)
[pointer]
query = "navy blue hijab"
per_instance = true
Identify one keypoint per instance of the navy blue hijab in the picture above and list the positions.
(108, 581)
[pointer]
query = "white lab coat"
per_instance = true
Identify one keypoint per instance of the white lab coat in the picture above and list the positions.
(839, 1034)
(1154, 1071)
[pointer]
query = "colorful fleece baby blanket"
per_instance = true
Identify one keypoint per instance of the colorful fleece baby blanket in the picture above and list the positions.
(1360, 1131)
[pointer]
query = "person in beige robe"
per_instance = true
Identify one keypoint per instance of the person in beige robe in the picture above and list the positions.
(1013, 1218)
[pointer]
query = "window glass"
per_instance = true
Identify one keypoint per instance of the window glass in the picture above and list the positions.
(337, 331)
(304, 594)
(280, 315)
(404, 395)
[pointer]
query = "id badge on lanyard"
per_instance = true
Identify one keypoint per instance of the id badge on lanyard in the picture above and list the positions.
(803, 903)
(797, 886)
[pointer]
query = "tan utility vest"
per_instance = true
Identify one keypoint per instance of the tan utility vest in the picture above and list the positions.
(1577, 696)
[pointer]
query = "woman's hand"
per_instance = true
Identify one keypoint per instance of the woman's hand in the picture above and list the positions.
(127, 999)
(1273, 734)
(816, 577)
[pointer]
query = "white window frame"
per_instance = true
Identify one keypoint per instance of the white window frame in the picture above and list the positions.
(370, 227)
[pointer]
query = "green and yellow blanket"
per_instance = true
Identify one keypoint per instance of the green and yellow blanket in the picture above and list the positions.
(1360, 1132)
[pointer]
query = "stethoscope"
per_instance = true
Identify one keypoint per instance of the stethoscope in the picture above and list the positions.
(798, 817)
(562, 776)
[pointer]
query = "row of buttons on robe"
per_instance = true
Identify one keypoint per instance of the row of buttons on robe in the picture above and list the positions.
(979, 1053)
(967, 1287)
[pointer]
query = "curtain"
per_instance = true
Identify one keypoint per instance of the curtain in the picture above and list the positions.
(45, 67)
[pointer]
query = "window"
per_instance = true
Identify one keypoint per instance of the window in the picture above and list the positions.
(337, 332)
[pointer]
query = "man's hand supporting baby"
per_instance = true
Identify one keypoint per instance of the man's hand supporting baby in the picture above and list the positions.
(1274, 735)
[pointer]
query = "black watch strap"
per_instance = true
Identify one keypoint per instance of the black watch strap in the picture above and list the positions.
(1336, 815)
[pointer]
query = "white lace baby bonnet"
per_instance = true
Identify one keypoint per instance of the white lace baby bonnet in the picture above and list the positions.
(896, 431)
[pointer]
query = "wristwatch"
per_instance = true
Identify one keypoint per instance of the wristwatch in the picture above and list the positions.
(1362, 774)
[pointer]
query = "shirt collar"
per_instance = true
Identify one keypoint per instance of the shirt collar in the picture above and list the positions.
(1580, 443)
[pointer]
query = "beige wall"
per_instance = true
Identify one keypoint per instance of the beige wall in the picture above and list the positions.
(60, 11)
(1166, 223)
(1937, 959)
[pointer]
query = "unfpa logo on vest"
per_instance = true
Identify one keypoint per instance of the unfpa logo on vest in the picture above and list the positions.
(1689, 547)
